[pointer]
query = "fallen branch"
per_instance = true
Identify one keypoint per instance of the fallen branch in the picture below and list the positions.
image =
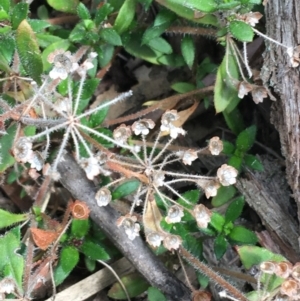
(137, 252)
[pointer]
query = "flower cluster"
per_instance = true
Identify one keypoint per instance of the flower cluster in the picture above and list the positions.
(290, 287)
(157, 181)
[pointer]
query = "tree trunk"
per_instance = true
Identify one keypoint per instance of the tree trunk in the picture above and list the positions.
(283, 25)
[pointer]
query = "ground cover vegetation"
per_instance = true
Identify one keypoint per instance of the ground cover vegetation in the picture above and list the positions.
(127, 128)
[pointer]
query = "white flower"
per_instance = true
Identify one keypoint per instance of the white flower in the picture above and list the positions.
(142, 126)
(22, 150)
(202, 215)
(103, 196)
(215, 146)
(63, 63)
(175, 213)
(227, 175)
(172, 242)
(187, 156)
(154, 239)
(132, 228)
(90, 166)
(122, 133)
(167, 124)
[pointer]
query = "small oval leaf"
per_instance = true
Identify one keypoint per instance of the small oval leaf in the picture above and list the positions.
(241, 31)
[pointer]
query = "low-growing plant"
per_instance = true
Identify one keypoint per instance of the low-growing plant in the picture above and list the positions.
(48, 77)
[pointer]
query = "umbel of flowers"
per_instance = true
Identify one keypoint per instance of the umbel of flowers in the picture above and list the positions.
(150, 168)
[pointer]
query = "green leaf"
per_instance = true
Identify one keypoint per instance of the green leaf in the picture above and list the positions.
(125, 189)
(253, 255)
(236, 161)
(241, 31)
(90, 264)
(5, 4)
(188, 50)
(110, 36)
(38, 25)
(220, 246)
(234, 120)
(217, 221)
(82, 11)
(242, 235)
(102, 13)
(134, 284)
(19, 13)
(132, 44)
(246, 139)
(29, 51)
(160, 45)
(12, 263)
(79, 227)
(225, 86)
(188, 12)
(228, 148)
(183, 87)
(192, 196)
(66, 6)
(97, 118)
(235, 209)
(206, 6)
(105, 54)
(101, 140)
(154, 294)
(162, 21)
(253, 162)
(193, 245)
(93, 250)
(6, 142)
(224, 194)
(7, 218)
(125, 16)
(78, 33)
(69, 257)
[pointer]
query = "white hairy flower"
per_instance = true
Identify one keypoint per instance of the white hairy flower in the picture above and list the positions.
(142, 126)
(175, 213)
(103, 196)
(90, 166)
(202, 215)
(227, 175)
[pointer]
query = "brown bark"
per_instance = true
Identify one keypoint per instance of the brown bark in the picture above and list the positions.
(136, 251)
(283, 25)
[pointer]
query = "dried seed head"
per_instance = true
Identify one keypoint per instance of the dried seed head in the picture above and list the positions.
(259, 93)
(80, 210)
(251, 18)
(103, 196)
(202, 215)
(284, 269)
(167, 124)
(215, 146)
(22, 150)
(244, 88)
(158, 178)
(132, 228)
(90, 166)
(63, 63)
(187, 156)
(296, 271)
(172, 242)
(142, 126)
(289, 287)
(227, 175)
(122, 133)
(268, 267)
(211, 188)
(36, 161)
(154, 239)
(7, 286)
(175, 213)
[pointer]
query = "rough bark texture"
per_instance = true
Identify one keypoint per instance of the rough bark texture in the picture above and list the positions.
(283, 25)
(143, 259)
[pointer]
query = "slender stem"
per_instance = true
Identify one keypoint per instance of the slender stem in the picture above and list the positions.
(269, 39)
(213, 276)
